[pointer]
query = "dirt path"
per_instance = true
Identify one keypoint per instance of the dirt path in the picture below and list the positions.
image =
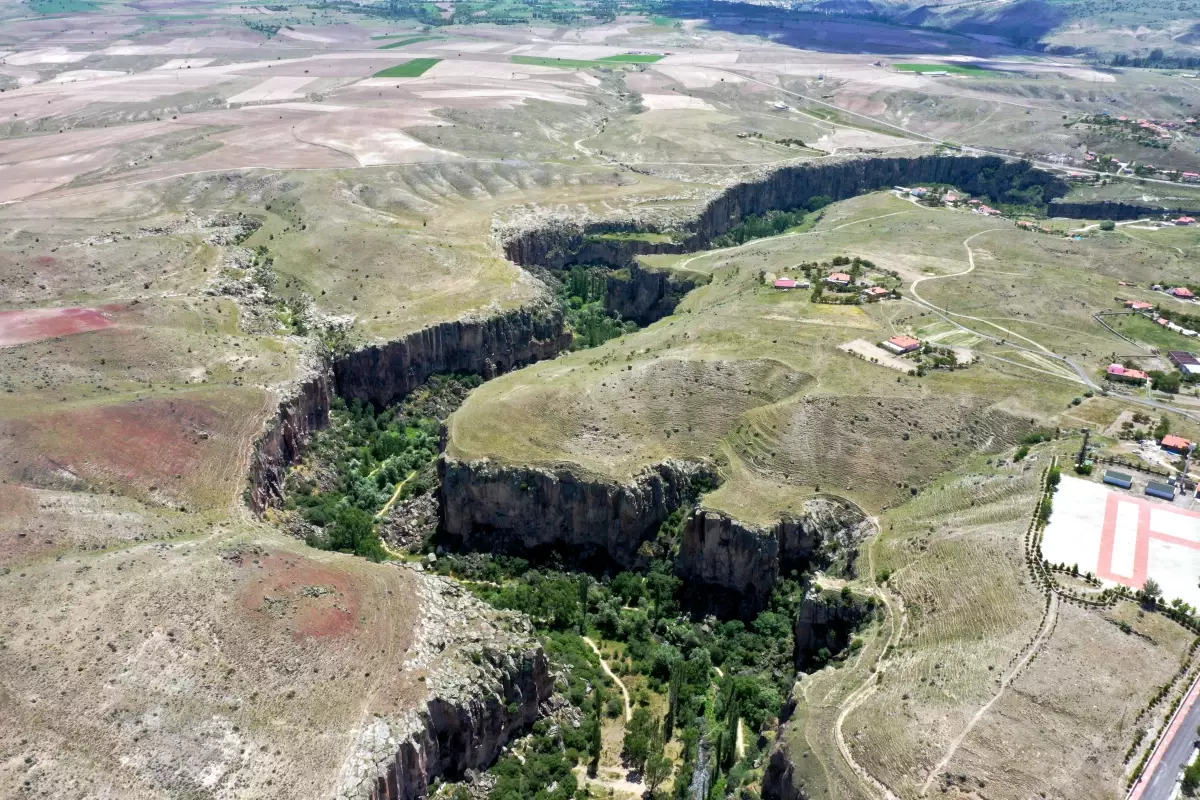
(1043, 634)
(897, 618)
(971, 268)
(395, 494)
(611, 674)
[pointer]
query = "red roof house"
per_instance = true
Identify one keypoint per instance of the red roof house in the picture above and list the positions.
(1117, 372)
(1182, 292)
(785, 283)
(1176, 444)
(1138, 305)
(839, 278)
(902, 344)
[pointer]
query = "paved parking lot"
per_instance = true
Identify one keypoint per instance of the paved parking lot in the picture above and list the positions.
(1124, 538)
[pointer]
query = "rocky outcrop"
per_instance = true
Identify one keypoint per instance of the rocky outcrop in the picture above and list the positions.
(999, 180)
(779, 780)
(487, 680)
(499, 508)
(467, 733)
(301, 413)
(738, 564)
(826, 621)
(645, 296)
(383, 374)
(792, 187)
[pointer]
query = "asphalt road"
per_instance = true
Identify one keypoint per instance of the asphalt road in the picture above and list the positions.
(1173, 755)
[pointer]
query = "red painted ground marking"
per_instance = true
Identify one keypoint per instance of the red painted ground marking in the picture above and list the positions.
(1141, 553)
(36, 324)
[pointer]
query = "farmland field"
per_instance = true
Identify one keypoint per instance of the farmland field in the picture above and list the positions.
(409, 69)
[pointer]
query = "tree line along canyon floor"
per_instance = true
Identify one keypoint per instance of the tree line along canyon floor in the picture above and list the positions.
(660, 399)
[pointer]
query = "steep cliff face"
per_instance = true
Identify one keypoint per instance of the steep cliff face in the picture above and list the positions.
(517, 509)
(647, 297)
(383, 374)
(644, 296)
(738, 564)
(734, 565)
(1109, 209)
(828, 620)
(790, 187)
(779, 779)
(456, 734)
(300, 414)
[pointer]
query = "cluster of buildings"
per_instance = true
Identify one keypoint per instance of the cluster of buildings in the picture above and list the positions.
(841, 281)
(949, 198)
(1164, 490)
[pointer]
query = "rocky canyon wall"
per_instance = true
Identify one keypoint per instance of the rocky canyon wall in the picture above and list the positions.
(779, 780)
(738, 564)
(383, 374)
(302, 412)
(487, 506)
(467, 731)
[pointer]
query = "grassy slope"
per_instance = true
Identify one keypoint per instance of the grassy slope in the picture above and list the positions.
(754, 379)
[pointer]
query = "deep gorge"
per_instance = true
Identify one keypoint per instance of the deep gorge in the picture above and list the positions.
(484, 506)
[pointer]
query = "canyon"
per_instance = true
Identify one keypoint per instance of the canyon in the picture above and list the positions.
(517, 509)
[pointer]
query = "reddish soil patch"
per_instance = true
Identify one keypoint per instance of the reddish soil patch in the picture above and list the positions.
(313, 600)
(152, 445)
(37, 324)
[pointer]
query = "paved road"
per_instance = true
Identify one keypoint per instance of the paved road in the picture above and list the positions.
(1164, 768)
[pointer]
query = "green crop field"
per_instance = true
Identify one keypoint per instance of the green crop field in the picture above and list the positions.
(953, 69)
(409, 69)
(62, 6)
(406, 42)
(634, 58)
(567, 63)
(1140, 329)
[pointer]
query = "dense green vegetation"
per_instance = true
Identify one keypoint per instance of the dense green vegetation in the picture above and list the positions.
(631, 236)
(409, 69)
(1156, 59)
(366, 459)
(565, 63)
(642, 616)
(583, 294)
(773, 223)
